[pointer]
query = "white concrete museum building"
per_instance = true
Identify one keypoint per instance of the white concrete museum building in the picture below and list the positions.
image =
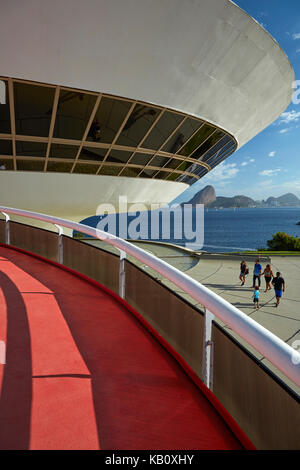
(133, 97)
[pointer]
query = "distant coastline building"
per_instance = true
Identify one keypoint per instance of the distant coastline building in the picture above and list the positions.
(128, 97)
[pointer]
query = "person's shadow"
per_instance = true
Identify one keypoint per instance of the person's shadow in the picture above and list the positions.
(16, 392)
(229, 287)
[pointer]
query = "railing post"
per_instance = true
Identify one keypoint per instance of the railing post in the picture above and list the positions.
(60, 253)
(2, 352)
(7, 228)
(122, 274)
(211, 369)
(207, 354)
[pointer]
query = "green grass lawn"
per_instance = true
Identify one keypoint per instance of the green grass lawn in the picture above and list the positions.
(273, 253)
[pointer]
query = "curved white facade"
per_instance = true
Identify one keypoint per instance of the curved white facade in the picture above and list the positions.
(78, 196)
(207, 58)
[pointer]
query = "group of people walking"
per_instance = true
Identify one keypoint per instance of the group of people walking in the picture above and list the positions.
(277, 281)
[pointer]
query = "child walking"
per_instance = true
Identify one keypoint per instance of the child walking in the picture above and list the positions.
(256, 297)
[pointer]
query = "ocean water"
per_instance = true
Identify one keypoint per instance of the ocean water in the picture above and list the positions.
(225, 230)
(250, 228)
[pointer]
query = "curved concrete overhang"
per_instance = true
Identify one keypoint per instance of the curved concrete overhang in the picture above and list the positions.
(206, 58)
(77, 196)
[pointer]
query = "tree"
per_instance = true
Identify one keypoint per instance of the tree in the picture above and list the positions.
(283, 242)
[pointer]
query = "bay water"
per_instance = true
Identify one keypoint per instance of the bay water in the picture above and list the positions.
(247, 228)
(227, 230)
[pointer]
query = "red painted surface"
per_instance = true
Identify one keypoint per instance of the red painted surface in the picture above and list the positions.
(82, 372)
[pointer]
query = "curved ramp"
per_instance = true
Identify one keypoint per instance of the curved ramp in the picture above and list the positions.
(82, 372)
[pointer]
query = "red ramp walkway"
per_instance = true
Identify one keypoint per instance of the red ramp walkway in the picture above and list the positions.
(82, 372)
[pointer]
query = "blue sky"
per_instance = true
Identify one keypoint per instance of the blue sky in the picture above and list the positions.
(268, 165)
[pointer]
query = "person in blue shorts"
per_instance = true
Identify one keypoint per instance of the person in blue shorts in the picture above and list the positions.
(256, 297)
(279, 287)
(257, 273)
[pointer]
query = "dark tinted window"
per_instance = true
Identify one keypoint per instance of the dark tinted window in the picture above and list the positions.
(5, 147)
(141, 158)
(190, 167)
(148, 173)
(118, 156)
(141, 124)
(63, 151)
(4, 109)
(6, 164)
(184, 166)
(31, 149)
(210, 142)
(200, 170)
(187, 128)
(73, 113)
(33, 109)
(172, 163)
(222, 154)
(30, 165)
(172, 176)
(163, 128)
(61, 167)
(216, 149)
(203, 133)
(85, 168)
(130, 172)
(137, 124)
(91, 153)
(159, 161)
(161, 174)
(110, 170)
(108, 119)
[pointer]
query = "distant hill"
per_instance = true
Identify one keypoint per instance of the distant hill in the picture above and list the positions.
(235, 201)
(207, 196)
(288, 199)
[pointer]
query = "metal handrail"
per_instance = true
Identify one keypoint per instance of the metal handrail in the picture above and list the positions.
(280, 354)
